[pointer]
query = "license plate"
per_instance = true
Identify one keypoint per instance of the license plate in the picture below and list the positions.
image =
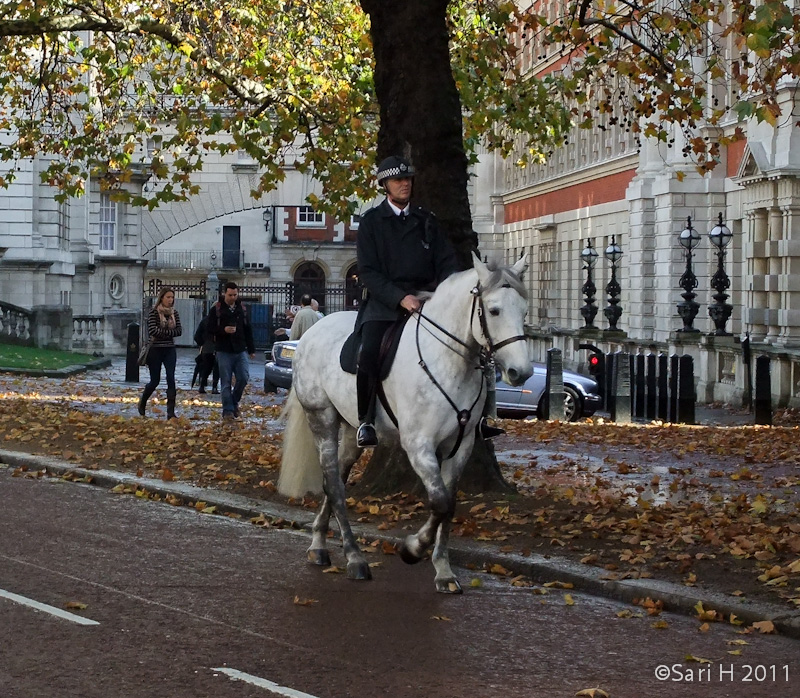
(287, 353)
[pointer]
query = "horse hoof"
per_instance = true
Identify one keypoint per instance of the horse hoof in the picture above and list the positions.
(448, 586)
(358, 570)
(407, 556)
(319, 557)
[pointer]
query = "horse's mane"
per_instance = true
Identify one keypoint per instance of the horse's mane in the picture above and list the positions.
(499, 276)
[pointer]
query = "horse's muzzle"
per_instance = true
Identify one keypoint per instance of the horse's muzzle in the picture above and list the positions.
(516, 377)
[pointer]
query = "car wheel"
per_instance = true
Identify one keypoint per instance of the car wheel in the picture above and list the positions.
(572, 405)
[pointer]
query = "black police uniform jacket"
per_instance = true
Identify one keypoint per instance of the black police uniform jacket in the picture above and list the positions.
(397, 256)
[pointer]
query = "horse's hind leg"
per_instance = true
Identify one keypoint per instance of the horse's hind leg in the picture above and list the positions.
(348, 455)
(325, 425)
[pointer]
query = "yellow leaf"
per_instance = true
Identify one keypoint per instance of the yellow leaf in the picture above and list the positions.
(764, 626)
(304, 602)
(592, 693)
(569, 600)
(660, 624)
(445, 618)
(475, 583)
(75, 605)
(332, 570)
(700, 660)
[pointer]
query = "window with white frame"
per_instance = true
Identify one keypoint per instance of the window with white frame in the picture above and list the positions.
(108, 223)
(63, 224)
(307, 217)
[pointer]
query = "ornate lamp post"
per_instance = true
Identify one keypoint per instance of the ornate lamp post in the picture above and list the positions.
(589, 257)
(613, 311)
(687, 309)
(719, 310)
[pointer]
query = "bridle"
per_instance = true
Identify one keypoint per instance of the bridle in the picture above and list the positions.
(485, 357)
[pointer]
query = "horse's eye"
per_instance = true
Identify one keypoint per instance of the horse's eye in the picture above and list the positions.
(494, 311)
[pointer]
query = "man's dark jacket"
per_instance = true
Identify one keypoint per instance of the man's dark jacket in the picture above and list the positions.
(399, 256)
(221, 316)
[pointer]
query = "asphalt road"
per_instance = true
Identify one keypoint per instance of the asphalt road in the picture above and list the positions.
(190, 604)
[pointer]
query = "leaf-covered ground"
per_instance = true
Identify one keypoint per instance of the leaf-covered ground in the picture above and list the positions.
(713, 507)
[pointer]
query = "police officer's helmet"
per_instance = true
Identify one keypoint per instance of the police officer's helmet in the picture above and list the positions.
(394, 167)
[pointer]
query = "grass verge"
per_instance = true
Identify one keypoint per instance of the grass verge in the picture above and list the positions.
(15, 356)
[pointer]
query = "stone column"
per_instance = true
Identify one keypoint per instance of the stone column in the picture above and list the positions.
(772, 288)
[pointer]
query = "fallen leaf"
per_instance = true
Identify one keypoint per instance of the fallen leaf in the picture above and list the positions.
(592, 693)
(764, 626)
(445, 618)
(76, 606)
(304, 602)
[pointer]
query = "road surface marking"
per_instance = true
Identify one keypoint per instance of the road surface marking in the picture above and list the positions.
(66, 615)
(263, 683)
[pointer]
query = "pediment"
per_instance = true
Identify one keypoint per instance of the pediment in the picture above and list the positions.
(754, 162)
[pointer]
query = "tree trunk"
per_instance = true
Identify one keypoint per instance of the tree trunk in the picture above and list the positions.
(420, 110)
(420, 113)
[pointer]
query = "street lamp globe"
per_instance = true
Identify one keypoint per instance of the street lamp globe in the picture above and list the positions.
(613, 251)
(720, 235)
(689, 237)
(589, 255)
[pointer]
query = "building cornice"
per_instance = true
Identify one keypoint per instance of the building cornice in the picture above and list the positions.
(586, 174)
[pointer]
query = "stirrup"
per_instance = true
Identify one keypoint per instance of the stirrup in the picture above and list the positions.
(366, 436)
(489, 432)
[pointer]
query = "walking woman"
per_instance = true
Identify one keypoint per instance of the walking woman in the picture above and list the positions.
(163, 325)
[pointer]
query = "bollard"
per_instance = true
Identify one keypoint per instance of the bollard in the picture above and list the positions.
(132, 354)
(638, 405)
(554, 386)
(673, 388)
(650, 408)
(686, 394)
(747, 360)
(621, 390)
(663, 387)
(608, 394)
(762, 403)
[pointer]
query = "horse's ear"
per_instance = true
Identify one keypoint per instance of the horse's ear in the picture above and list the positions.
(521, 265)
(481, 268)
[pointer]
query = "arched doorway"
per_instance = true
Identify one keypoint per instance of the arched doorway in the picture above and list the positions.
(309, 278)
(352, 289)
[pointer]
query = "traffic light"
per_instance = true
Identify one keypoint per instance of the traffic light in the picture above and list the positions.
(596, 362)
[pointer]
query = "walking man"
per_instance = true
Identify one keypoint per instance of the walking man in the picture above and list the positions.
(304, 319)
(233, 338)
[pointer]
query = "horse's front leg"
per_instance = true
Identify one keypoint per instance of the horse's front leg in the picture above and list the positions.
(326, 423)
(446, 581)
(440, 502)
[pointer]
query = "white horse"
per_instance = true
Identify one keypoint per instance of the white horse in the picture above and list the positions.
(435, 390)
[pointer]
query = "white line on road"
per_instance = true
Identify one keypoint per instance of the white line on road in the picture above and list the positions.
(66, 615)
(263, 683)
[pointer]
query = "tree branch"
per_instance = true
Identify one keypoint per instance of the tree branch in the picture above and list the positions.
(584, 22)
(249, 91)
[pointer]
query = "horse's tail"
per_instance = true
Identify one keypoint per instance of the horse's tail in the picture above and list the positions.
(300, 468)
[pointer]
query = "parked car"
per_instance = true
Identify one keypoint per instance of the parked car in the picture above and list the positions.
(581, 396)
(278, 372)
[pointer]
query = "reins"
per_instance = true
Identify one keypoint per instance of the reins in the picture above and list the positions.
(484, 356)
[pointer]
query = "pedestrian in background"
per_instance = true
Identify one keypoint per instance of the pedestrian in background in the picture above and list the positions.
(233, 341)
(315, 308)
(305, 318)
(163, 325)
(207, 360)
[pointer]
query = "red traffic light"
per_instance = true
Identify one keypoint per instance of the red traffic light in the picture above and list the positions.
(594, 361)
(596, 364)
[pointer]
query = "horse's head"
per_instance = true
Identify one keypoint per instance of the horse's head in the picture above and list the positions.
(499, 323)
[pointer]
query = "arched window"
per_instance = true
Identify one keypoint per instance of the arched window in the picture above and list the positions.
(352, 288)
(310, 278)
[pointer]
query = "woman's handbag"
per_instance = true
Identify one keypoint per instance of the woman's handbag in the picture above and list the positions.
(143, 354)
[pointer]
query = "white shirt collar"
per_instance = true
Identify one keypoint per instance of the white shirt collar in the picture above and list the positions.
(398, 211)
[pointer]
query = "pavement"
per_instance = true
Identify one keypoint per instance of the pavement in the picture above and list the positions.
(464, 553)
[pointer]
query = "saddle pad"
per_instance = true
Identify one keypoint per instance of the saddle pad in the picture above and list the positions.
(348, 358)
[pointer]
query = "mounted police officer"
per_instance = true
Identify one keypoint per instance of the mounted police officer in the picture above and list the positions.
(400, 253)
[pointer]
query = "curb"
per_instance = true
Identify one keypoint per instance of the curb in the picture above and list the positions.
(675, 597)
(58, 372)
